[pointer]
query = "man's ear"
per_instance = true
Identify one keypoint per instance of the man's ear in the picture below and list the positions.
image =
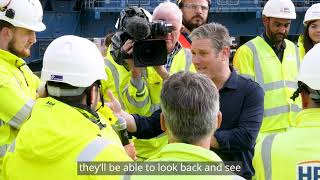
(162, 123)
(219, 119)
(265, 21)
(226, 53)
(7, 33)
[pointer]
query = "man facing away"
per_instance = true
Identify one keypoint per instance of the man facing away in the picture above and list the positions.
(190, 115)
(64, 128)
(295, 154)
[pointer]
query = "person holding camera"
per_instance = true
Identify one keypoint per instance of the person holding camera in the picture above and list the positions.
(138, 88)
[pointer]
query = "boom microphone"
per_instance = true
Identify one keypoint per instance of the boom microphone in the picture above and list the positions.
(138, 28)
(121, 126)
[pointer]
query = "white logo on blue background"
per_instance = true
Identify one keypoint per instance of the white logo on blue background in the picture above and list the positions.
(56, 77)
(308, 170)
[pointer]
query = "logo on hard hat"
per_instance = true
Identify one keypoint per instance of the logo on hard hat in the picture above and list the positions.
(56, 77)
(308, 169)
(285, 10)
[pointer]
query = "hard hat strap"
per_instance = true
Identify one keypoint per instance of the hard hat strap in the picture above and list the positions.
(5, 7)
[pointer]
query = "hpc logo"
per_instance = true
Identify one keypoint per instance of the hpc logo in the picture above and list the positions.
(308, 170)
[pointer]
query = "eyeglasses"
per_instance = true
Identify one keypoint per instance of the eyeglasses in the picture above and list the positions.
(195, 7)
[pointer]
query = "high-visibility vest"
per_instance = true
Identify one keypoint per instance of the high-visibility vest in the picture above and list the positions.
(179, 152)
(18, 87)
(257, 60)
(56, 138)
(293, 154)
(146, 101)
(302, 51)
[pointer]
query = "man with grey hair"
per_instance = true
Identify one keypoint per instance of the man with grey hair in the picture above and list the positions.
(241, 99)
(190, 110)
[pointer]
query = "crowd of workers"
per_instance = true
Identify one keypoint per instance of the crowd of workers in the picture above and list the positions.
(263, 110)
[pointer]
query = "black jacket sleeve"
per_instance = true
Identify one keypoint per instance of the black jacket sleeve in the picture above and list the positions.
(147, 127)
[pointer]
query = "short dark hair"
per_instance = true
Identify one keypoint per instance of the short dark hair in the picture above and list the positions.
(4, 24)
(71, 99)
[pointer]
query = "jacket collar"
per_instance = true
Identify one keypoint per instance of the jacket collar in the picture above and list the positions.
(308, 118)
(182, 151)
(11, 58)
(232, 81)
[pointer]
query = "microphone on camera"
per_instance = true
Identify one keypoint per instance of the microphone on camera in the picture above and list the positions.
(138, 28)
(121, 126)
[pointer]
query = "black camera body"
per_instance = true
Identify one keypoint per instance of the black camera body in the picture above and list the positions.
(149, 47)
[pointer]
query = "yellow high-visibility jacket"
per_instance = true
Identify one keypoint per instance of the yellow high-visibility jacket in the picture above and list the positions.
(147, 100)
(257, 60)
(18, 86)
(179, 152)
(50, 144)
(293, 154)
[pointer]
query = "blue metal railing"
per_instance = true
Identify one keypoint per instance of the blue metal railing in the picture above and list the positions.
(216, 6)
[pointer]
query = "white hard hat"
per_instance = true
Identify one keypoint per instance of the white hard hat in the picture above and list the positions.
(309, 70)
(23, 13)
(313, 13)
(73, 60)
(279, 9)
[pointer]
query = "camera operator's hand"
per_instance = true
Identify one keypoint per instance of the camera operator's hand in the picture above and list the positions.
(127, 47)
(161, 70)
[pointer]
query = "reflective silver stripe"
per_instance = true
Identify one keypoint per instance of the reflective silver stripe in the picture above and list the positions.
(127, 175)
(281, 109)
(266, 155)
(297, 57)
(279, 85)
(115, 75)
(188, 57)
(258, 71)
(93, 149)
(12, 146)
(295, 108)
(3, 149)
(22, 115)
(1, 122)
(247, 76)
(154, 107)
(256, 63)
(138, 104)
